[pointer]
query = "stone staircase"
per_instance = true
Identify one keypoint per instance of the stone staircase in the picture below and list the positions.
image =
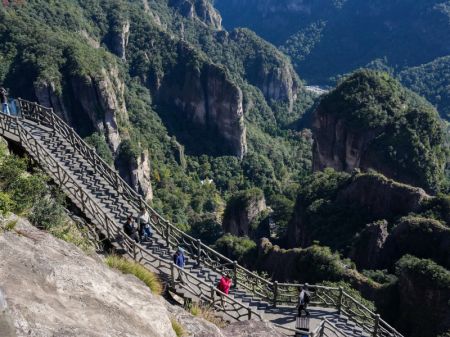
(107, 200)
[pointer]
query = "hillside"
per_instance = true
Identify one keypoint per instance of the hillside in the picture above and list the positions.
(327, 38)
(163, 94)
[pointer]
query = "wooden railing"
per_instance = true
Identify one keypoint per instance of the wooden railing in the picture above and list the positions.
(196, 287)
(272, 292)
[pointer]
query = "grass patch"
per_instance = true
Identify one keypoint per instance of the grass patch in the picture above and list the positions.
(10, 225)
(179, 330)
(131, 267)
(207, 314)
(70, 232)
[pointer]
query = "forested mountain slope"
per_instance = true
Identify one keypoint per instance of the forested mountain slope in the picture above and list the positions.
(160, 90)
(330, 37)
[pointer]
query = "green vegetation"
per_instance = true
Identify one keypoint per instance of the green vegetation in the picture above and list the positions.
(134, 268)
(181, 156)
(178, 328)
(409, 134)
(326, 38)
(236, 248)
(425, 269)
(432, 81)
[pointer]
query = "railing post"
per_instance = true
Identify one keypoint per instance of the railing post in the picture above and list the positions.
(172, 275)
(322, 329)
(235, 281)
(340, 298)
(83, 206)
(134, 251)
(199, 251)
(275, 293)
(376, 326)
(108, 234)
(167, 234)
(212, 294)
(249, 313)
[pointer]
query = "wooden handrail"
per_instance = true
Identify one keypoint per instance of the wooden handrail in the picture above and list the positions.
(47, 117)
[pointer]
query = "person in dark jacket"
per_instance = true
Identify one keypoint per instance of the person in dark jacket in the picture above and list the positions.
(4, 100)
(180, 260)
(130, 229)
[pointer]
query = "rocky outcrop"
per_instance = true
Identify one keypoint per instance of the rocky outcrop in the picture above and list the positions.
(118, 39)
(267, 68)
(242, 211)
(51, 288)
(423, 293)
(369, 244)
(373, 195)
(418, 236)
(371, 122)
(202, 10)
(209, 100)
(140, 174)
(54, 289)
(380, 196)
(48, 96)
(96, 103)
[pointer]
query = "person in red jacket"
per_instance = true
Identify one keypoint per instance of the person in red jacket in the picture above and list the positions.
(224, 286)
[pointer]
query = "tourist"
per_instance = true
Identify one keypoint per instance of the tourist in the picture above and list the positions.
(4, 100)
(179, 260)
(303, 300)
(130, 229)
(145, 229)
(224, 286)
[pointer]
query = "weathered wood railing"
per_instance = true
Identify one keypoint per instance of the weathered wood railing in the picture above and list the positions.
(272, 292)
(195, 287)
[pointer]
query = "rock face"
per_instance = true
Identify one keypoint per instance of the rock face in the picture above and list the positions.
(382, 197)
(208, 99)
(54, 289)
(140, 176)
(202, 10)
(242, 210)
(367, 249)
(268, 69)
(421, 237)
(424, 290)
(371, 122)
(373, 194)
(100, 100)
(119, 40)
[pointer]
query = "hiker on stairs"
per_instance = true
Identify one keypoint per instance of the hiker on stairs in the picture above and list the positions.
(4, 100)
(303, 300)
(130, 229)
(179, 259)
(224, 286)
(145, 229)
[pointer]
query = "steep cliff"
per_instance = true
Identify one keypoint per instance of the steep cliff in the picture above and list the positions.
(98, 99)
(371, 122)
(334, 214)
(424, 290)
(202, 10)
(242, 211)
(206, 98)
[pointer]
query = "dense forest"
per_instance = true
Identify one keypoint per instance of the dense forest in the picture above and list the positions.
(349, 187)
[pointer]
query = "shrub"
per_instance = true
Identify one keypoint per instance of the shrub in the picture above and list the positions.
(97, 140)
(6, 203)
(133, 268)
(48, 212)
(426, 269)
(236, 248)
(71, 233)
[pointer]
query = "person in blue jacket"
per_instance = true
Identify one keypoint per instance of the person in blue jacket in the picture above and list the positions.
(180, 260)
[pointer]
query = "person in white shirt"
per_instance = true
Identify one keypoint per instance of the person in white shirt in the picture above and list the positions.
(145, 229)
(303, 300)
